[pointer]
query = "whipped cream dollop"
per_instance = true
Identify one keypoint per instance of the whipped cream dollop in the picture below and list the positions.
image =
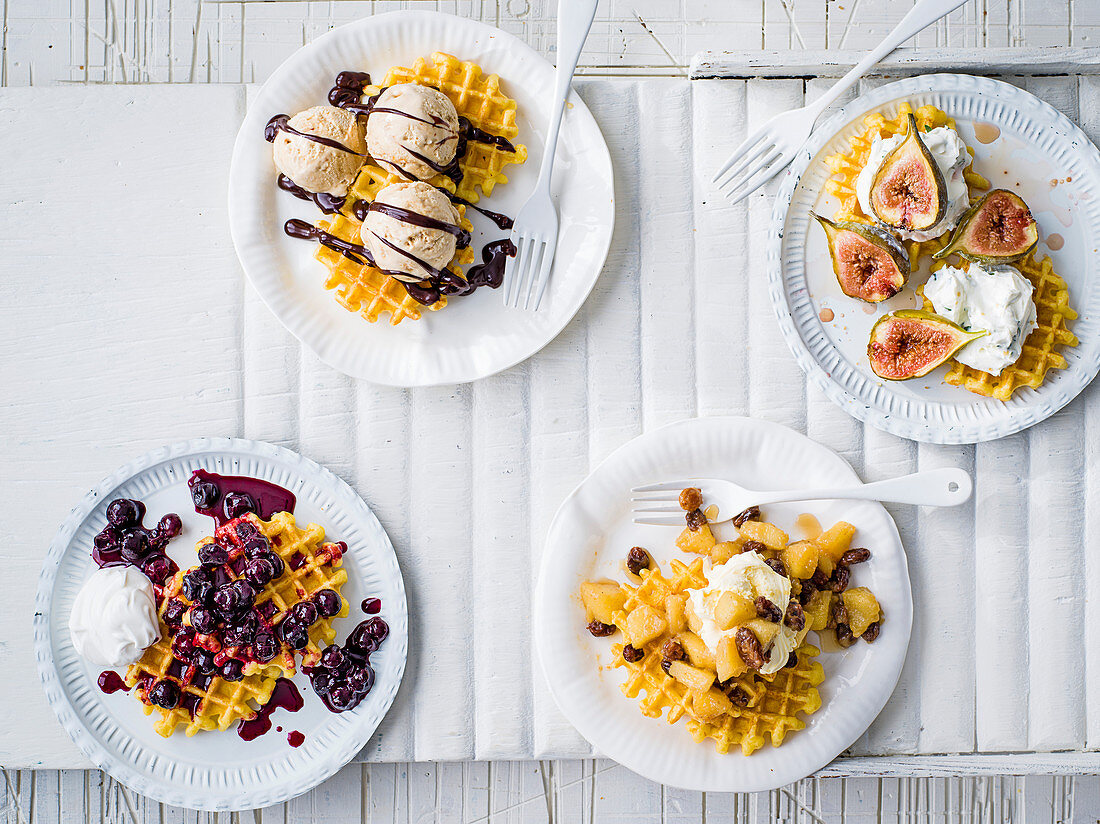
(747, 575)
(114, 617)
(994, 299)
(951, 156)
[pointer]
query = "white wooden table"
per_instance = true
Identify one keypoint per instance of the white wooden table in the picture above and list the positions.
(177, 288)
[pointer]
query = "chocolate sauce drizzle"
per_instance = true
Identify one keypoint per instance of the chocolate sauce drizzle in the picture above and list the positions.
(362, 208)
(281, 123)
(329, 204)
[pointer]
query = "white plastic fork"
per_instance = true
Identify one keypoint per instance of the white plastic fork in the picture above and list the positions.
(772, 147)
(661, 505)
(535, 231)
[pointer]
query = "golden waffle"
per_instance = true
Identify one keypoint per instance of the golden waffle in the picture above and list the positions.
(207, 702)
(774, 701)
(476, 97)
(772, 709)
(1038, 355)
(847, 166)
(310, 566)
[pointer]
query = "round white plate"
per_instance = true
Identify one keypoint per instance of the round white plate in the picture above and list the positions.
(218, 770)
(1040, 155)
(591, 534)
(474, 336)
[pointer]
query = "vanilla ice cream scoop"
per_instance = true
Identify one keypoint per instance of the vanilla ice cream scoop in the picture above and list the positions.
(328, 153)
(114, 617)
(413, 129)
(412, 231)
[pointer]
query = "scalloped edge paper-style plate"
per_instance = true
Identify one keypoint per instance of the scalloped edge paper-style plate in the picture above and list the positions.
(589, 538)
(473, 336)
(218, 770)
(1038, 153)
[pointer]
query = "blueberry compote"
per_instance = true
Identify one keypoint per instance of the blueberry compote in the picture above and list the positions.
(225, 497)
(126, 540)
(344, 675)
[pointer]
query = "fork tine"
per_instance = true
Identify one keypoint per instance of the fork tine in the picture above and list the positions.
(667, 486)
(749, 184)
(760, 162)
(748, 143)
(512, 270)
(544, 273)
(749, 161)
(657, 498)
(671, 509)
(657, 521)
(523, 265)
(537, 259)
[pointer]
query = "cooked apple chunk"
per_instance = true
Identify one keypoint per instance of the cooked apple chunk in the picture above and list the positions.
(675, 606)
(602, 599)
(733, 609)
(697, 541)
(836, 540)
(697, 652)
(769, 535)
(816, 610)
(764, 630)
(691, 677)
(644, 623)
(800, 558)
(710, 704)
(863, 608)
(727, 661)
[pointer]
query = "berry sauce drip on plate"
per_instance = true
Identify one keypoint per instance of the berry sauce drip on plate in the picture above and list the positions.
(111, 682)
(126, 540)
(225, 497)
(284, 696)
(344, 677)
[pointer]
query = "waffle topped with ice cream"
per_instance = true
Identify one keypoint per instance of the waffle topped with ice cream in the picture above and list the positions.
(398, 169)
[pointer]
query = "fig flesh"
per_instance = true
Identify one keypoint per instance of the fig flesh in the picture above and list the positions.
(869, 262)
(999, 228)
(910, 343)
(908, 190)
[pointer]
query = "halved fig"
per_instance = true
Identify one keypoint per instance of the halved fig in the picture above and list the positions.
(908, 190)
(999, 228)
(910, 343)
(869, 262)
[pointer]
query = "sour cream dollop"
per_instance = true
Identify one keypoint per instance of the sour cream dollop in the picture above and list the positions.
(114, 617)
(747, 575)
(996, 299)
(951, 156)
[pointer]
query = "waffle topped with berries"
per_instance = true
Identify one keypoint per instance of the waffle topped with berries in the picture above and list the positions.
(264, 591)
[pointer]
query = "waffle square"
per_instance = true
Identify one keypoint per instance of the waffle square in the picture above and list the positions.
(774, 701)
(478, 98)
(1039, 353)
(207, 702)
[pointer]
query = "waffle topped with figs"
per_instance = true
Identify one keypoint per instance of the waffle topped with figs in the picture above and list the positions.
(263, 592)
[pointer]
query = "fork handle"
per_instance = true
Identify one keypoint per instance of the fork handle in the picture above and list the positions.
(574, 21)
(920, 17)
(936, 487)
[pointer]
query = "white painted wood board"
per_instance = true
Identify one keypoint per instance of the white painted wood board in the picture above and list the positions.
(679, 325)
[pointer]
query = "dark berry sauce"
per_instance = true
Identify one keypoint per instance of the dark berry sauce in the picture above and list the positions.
(284, 696)
(126, 540)
(344, 676)
(111, 682)
(295, 738)
(225, 497)
(371, 606)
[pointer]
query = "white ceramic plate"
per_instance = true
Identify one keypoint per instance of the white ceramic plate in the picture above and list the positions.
(591, 534)
(473, 336)
(218, 770)
(1040, 155)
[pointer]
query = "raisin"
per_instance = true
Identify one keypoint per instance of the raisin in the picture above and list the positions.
(819, 579)
(632, 654)
(871, 633)
(748, 647)
(795, 617)
(601, 630)
(750, 514)
(838, 613)
(855, 556)
(672, 650)
(637, 560)
(691, 499)
(696, 520)
(753, 546)
(841, 576)
(844, 635)
(792, 661)
(738, 696)
(767, 610)
(778, 566)
(665, 664)
(807, 593)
